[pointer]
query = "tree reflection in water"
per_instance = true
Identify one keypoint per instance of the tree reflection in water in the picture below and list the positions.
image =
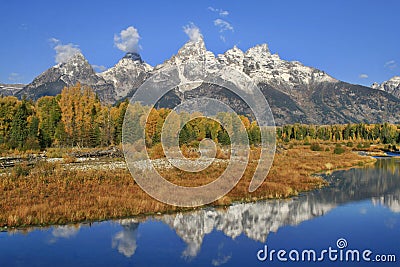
(380, 183)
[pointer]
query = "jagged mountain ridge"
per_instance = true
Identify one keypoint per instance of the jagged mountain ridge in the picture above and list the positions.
(130, 72)
(10, 89)
(391, 86)
(111, 85)
(296, 93)
(76, 69)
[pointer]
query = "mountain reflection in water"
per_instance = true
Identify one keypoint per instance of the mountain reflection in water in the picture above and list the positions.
(356, 201)
(380, 183)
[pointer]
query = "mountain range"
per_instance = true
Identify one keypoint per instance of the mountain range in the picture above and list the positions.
(391, 86)
(10, 89)
(295, 93)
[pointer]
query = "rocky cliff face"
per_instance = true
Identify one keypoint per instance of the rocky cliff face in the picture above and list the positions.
(391, 86)
(296, 93)
(10, 89)
(127, 75)
(76, 69)
(111, 85)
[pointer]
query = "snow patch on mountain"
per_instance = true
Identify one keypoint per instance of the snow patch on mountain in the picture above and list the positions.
(392, 86)
(10, 89)
(128, 74)
(262, 67)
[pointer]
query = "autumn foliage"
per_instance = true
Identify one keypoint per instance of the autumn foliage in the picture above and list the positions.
(77, 118)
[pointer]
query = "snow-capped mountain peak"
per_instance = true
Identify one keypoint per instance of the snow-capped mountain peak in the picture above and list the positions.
(75, 69)
(133, 56)
(296, 93)
(128, 74)
(260, 51)
(189, 52)
(263, 67)
(192, 48)
(192, 52)
(392, 86)
(232, 58)
(376, 85)
(76, 66)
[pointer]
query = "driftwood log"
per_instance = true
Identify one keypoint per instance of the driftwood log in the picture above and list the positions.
(112, 152)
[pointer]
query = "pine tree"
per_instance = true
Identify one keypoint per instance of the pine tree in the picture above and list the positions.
(8, 108)
(223, 137)
(19, 126)
(49, 114)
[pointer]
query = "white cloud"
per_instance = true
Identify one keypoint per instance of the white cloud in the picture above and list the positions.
(65, 231)
(363, 76)
(223, 25)
(14, 77)
(391, 64)
(125, 240)
(221, 12)
(221, 261)
(127, 40)
(64, 51)
(99, 68)
(192, 31)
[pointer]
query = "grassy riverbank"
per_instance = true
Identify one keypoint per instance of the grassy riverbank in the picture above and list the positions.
(56, 193)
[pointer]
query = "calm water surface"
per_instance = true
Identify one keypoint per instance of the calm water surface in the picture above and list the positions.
(361, 205)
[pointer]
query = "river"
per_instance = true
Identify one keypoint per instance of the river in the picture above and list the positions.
(361, 207)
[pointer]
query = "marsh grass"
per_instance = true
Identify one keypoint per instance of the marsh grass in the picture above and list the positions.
(52, 193)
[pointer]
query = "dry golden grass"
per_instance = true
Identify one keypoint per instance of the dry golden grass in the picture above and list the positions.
(49, 194)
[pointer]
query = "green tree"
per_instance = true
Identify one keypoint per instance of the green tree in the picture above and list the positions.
(19, 126)
(8, 108)
(223, 137)
(49, 114)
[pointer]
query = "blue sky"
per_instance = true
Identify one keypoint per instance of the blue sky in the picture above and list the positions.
(355, 41)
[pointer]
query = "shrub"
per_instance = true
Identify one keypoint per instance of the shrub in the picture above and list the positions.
(195, 144)
(349, 144)
(339, 150)
(21, 170)
(31, 144)
(366, 145)
(157, 152)
(68, 159)
(45, 169)
(316, 147)
(221, 154)
(55, 152)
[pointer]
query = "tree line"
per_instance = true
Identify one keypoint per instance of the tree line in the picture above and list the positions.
(385, 133)
(76, 117)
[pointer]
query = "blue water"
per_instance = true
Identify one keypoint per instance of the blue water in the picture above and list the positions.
(361, 205)
(393, 154)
